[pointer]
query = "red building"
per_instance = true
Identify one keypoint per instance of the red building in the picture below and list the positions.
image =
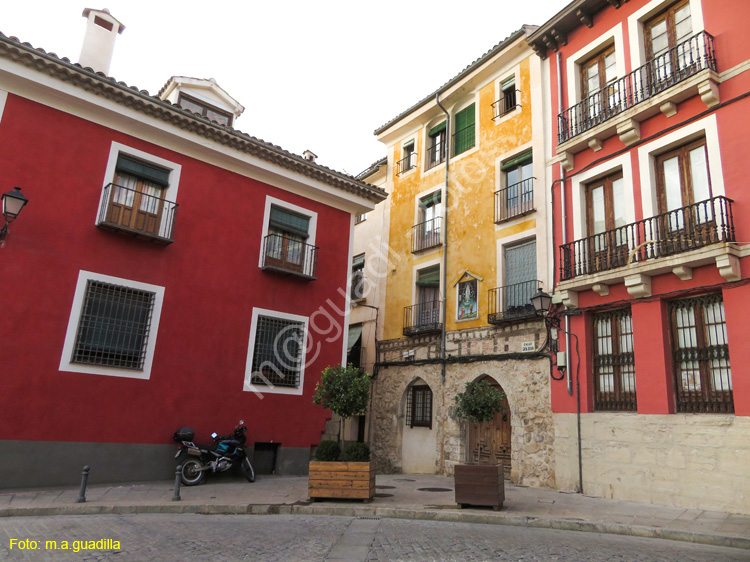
(168, 270)
(648, 112)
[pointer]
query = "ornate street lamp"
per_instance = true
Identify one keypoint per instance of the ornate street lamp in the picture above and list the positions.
(13, 202)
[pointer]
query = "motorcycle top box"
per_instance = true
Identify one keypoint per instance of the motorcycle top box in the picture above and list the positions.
(184, 434)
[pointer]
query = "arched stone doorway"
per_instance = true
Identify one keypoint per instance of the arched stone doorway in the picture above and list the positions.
(418, 444)
(490, 442)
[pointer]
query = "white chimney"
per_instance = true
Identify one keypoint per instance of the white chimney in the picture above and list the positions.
(99, 42)
(309, 156)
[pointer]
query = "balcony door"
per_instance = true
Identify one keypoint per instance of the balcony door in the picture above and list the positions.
(605, 209)
(520, 279)
(667, 46)
(286, 240)
(684, 192)
(428, 297)
(598, 85)
(136, 200)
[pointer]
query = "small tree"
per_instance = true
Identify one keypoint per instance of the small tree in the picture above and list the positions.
(478, 403)
(345, 391)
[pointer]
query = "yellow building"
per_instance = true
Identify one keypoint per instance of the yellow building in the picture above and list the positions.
(466, 237)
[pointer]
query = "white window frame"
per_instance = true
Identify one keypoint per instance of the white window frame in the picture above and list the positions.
(636, 20)
(574, 62)
(170, 192)
(426, 142)
(248, 385)
(75, 316)
(647, 153)
(516, 74)
(273, 201)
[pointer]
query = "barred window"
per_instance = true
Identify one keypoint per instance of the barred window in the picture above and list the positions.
(703, 377)
(278, 352)
(614, 363)
(419, 407)
(114, 325)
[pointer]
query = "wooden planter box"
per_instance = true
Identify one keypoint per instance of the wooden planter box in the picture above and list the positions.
(350, 480)
(480, 484)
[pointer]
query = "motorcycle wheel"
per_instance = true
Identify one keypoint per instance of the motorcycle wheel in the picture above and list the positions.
(247, 470)
(191, 474)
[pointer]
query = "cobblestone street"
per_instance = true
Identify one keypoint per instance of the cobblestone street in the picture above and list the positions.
(317, 538)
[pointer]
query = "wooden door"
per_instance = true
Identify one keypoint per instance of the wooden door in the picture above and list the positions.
(135, 204)
(605, 217)
(490, 442)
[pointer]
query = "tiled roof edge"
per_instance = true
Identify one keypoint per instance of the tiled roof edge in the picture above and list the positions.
(100, 84)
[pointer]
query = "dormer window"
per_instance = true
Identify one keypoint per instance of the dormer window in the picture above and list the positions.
(206, 110)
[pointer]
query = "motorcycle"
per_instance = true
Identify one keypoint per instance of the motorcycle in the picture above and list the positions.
(198, 460)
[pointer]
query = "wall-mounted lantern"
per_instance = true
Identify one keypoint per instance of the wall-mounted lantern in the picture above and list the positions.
(13, 202)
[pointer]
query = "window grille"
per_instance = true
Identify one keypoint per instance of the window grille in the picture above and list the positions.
(614, 363)
(114, 326)
(278, 352)
(703, 377)
(419, 407)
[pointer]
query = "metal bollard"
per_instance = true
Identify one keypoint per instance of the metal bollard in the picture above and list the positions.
(176, 496)
(84, 480)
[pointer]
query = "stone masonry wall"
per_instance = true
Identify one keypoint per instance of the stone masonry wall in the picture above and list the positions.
(685, 460)
(525, 381)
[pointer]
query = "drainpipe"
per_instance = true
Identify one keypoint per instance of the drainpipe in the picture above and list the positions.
(564, 227)
(445, 232)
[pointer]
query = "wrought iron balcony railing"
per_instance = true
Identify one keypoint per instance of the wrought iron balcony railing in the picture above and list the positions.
(682, 230)
(435, 154)
(515, 200)
(512, 302)
(426, 235)
(406, 163)
(672, 67)
(507, 103)
(137, 213)
(290, 255)
(423, 318)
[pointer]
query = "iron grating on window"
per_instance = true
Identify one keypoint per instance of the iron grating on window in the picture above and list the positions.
(703, 377)
(419, 407)
(614, 361)
(278, 350)
(114, 326)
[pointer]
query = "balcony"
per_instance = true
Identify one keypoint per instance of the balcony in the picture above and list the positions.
(515, 200)
(407, 163)
(289, 255)
(506, 103)
(512, 302)
(423, 318)
(137, 214)
(669, 234)
(426, 235)
(656, 76)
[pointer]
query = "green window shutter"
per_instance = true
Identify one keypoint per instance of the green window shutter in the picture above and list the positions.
(428, 277)
(142, 170)
(431, 199)
(464, 137)
(289, 222)
(436, 129)
(519, 160)
(358, 261)
(508, 83)
(409, 145)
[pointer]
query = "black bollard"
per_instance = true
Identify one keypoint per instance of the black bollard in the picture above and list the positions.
(84, 480)
(176, 496)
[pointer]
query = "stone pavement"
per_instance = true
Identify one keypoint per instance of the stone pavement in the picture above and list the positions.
(405, 496)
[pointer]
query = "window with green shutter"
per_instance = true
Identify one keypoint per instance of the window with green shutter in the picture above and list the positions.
(463, 139)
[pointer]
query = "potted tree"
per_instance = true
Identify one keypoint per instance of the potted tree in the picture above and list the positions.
(345, 391)
(479, 484)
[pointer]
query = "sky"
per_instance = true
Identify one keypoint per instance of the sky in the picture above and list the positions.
(318, 74)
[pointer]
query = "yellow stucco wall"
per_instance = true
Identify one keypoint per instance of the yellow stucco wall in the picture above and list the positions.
(472, 233)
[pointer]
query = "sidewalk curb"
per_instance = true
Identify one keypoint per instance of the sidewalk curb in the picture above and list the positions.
(457, 516)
